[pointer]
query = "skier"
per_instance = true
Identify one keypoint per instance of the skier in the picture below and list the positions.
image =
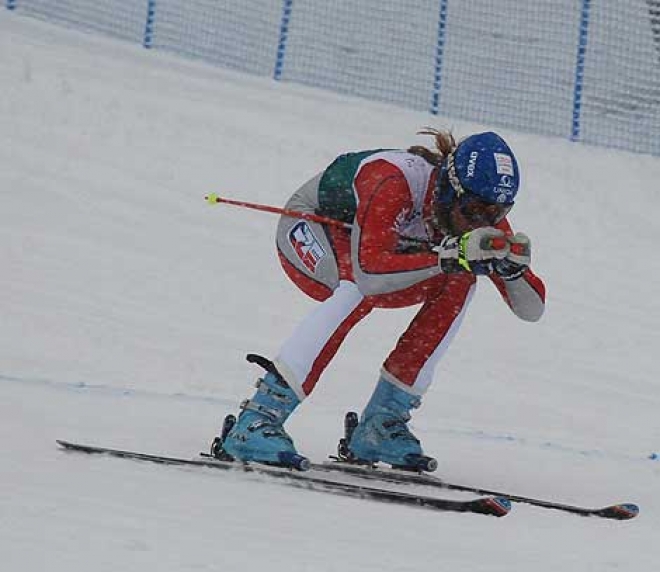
(424, 224)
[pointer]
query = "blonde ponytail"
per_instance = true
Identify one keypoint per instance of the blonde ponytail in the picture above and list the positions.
(444, 145)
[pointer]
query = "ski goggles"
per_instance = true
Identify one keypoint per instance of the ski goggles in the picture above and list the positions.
(481, 213)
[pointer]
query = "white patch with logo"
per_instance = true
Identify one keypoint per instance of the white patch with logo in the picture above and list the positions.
(503, 164)
(306, 245)
(504, 190)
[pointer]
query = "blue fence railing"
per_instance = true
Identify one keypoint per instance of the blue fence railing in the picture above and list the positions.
(579, 69)
(437, 76)
(587, 71)
(284, 32)
(149, 25)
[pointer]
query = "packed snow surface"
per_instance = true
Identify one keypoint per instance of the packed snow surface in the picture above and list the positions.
(127, 305)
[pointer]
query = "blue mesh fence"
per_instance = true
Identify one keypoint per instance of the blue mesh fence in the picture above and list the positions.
(123, 19)
(587, 70)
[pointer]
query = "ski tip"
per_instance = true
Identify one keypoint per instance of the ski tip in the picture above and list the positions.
(496, 506)
(623, 511)
(501, 505)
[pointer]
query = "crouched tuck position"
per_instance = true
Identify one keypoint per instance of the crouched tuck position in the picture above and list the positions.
(421, 226)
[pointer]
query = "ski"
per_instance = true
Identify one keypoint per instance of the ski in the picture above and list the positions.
(488, 505)
(619, 511)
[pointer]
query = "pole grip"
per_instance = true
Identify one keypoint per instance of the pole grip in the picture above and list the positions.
(498, 243)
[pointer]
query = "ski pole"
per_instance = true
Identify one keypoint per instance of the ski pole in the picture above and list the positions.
(214, 199)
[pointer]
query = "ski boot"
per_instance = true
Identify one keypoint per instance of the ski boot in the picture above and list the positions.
(382, 434)
(258, 435)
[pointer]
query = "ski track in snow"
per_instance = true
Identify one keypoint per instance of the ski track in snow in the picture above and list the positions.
(479, 434)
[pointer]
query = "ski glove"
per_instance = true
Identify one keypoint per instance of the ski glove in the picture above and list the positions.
(473, 251)
(518, 258)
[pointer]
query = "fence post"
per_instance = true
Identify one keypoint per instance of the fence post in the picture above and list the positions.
(149, 26)
(11, 4)
(579, 69)
(439, 53)
(287, 8)
(654, 18)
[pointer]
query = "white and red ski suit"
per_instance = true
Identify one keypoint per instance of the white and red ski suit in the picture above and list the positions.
(383, 261)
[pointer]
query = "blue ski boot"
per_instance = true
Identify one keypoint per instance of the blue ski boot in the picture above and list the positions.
(258, 435)
(382, 433)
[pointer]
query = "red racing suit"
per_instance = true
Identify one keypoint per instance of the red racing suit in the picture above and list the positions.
(383, 261)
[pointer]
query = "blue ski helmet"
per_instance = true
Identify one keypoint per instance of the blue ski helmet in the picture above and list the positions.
(482, 165)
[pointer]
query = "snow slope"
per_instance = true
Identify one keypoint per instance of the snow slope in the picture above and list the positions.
(127, 306)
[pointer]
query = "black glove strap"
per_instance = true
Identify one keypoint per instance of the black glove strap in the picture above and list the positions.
(508, 270)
